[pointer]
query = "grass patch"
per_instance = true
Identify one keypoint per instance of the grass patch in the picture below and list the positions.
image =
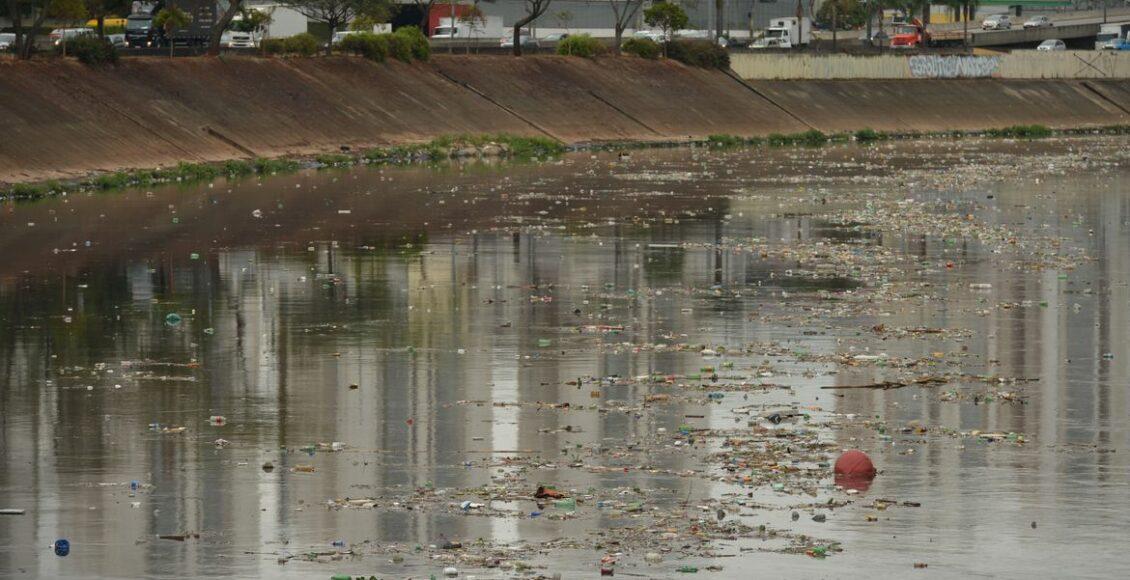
(870, 135)
(334, 160)
(1020, 132)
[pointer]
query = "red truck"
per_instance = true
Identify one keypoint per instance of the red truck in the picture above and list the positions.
(911, 34)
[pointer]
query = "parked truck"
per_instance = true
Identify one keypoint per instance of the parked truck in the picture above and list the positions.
(462, 29)
(786, 33)
(1113, 37)
(140, 31)
(911, 34)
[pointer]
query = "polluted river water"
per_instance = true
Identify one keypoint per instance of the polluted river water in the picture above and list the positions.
(370, 371)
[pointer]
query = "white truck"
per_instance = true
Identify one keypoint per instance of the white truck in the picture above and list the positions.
(461, 29)
(786, 33)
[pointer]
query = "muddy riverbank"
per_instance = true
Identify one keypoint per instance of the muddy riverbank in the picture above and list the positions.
(63, 120)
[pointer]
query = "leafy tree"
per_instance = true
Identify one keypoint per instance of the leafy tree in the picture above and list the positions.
(169, 19)
(624, 12)
(69, 11)
(564, 18)
(534, 10)
(425, 7)
(668, 17)
(253, 20)
(849, 13)
(221, 25)
(38, 11)
(337, 14)
(100, 9)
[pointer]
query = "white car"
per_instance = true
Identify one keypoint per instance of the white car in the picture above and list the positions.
(652, 35)
(999, 22)
(1052, 44)
(526, 40)
(60, 35)
(1038, 22)
(7, 39)
(340, 36)
(235, 39)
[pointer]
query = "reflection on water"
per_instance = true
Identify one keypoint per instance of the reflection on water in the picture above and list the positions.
(428, 318)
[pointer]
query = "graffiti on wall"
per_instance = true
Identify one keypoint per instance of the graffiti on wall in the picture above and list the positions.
(932, 66)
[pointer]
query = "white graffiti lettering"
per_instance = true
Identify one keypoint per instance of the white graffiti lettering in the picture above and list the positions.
(933, 66)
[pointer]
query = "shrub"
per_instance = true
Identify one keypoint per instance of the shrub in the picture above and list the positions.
(399, 48)
(366, 44)
(415, 40)
(642, 47)
(89, 49)
(868, 135)
(304, 44)
(723, 141)
(700, 53)
(273, 45)
(582, 45)
(1021, 132)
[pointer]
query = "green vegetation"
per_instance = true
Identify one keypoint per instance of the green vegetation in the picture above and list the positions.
(91, 50)
(810, 138)
(508, 146)
(1020, 132)
(642, 47)
(304, 44)
(668, 17)
(869, 135)
(406, 44)
(700, 53)
(582, 45)
(849, 14)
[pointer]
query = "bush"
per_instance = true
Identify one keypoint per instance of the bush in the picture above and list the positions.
(868, 135)
(700, 53)
(366, 44)
(1021, 132)
(273, 45)
(582, 45)
(304, 44)
(415, 41)
(399, 48)
(89, 49)
(642, 47)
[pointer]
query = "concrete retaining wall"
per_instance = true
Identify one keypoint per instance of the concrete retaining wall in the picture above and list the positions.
(62, 119)
(1028, 64)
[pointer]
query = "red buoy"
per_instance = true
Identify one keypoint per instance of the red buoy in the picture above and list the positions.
(854, 463)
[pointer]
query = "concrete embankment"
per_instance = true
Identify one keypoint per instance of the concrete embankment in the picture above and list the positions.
(63, 120)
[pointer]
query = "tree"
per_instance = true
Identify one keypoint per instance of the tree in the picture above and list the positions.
(564, 18)
(69, 11)
(337, 14)
(100, 9)
(849, 13)
(475, 20)
(221, 25)
(170, 19)
(39, 11)
(667, 17)
(534, 10)
(624, 12)
(425, 7)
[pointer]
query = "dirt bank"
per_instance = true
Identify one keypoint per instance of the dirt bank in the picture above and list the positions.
(61, 119)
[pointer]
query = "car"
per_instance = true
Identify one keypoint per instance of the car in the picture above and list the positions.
(340, 36)
(236, 39)
(1038, 22)
(652, 35)
(117, 40)
(998, 22)
(61, 35)
(1052, 44)
(526, 41)
(7, 40)
(555, 37)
